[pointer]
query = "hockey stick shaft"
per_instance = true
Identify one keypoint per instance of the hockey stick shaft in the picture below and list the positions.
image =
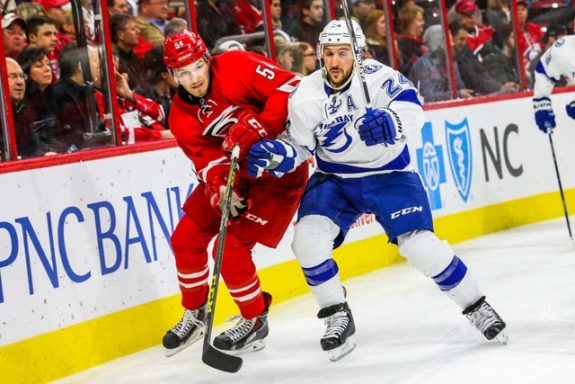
(560, 186)
(357, 53)
(210, 355)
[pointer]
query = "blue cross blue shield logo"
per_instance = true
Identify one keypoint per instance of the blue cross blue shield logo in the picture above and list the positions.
(459, 149)
(430, 165)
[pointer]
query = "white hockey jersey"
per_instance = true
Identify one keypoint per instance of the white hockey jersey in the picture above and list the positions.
(556, 61)
(326, 123)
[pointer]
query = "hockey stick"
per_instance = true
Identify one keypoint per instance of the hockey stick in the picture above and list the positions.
(210, 355)
(357, 54)
(560, 186)
(359, 64)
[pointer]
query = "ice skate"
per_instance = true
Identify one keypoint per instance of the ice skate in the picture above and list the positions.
(486, 320)
(189, 329)
(337, 340)
(247, 335)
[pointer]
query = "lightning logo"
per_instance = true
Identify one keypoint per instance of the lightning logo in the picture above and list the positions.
(329, 134)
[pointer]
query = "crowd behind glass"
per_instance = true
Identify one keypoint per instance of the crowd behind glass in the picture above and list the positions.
(59, 78)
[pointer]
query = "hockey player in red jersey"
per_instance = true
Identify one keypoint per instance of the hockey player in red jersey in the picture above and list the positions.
(233, 98)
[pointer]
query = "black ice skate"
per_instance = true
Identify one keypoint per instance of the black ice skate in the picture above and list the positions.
(337, 339)
(188, 330)
(247, 335)
(486, 320)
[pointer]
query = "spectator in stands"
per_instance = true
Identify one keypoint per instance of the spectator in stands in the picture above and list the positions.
(175, 25)
(27, 142)
(247, 16)
(498, 13)
(430, 73)
(528, 41)
(13, 28)
(36, 66)
(410, 25)
(501, 62)
(285, 57)
(41, 32)
(276, 13)
(141, 118)
(376, 36)
(54, 10)
(472, 72)
(118, 6)
(309, 58)
(125, 37)
(75, 101)
(466, 12)
(27, 10)
(310, 24)
(360, 9)
(215, 20)
(67, 32)
(151, 20)
(160, 84)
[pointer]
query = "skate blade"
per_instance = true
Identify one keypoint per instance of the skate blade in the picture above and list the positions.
(198, 335)
(502, 337)
(342, 351)
(251, 347)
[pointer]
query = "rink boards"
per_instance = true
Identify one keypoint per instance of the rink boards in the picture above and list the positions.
(87, 274)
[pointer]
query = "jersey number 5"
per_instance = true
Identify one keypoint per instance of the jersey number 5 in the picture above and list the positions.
(265, 72)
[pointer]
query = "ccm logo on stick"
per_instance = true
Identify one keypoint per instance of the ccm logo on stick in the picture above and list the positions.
(406, 211)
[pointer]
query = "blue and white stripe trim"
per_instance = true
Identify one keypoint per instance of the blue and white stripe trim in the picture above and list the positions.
(320, 273)
(452, 275)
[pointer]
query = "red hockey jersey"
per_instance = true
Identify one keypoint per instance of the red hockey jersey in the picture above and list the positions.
(240, 82)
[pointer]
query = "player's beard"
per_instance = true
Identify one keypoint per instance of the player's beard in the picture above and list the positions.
(342, 76)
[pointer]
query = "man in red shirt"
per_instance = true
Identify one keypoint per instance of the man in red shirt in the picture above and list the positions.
(479, 34)
(236, 98)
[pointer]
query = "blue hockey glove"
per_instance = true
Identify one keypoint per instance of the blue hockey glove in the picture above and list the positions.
(544, 116)
(378, 126)
(571, 109)
(275, 156)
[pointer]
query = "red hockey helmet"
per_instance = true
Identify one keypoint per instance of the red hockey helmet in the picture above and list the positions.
(183, 48)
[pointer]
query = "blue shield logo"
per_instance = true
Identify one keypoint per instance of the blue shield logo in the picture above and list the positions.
(459, 149)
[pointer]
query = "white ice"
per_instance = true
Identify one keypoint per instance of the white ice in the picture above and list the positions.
(407, 330)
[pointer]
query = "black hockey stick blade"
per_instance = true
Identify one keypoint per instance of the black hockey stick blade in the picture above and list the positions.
(220, 360)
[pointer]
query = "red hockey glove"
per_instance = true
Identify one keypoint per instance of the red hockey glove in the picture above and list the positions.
(246, 132)
(216, 187)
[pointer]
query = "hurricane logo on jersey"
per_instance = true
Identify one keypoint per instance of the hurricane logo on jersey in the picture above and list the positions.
(333, 136)
(459, 149)
(222, 123)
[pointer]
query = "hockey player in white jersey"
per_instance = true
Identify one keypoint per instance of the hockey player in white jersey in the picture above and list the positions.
(363, 166)
(557, 61)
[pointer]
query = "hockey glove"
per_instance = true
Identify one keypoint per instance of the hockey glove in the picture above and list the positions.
(571, 109)
(215, 191)
(276, 156)
(246, 132)
(544, 116)
(378, 126)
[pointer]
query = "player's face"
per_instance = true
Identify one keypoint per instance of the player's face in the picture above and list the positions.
(338, 61)
(194, 77)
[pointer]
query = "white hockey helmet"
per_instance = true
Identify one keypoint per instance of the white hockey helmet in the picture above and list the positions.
(336, 32)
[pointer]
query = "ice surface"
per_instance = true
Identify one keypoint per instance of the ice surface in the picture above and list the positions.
(407, 330)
